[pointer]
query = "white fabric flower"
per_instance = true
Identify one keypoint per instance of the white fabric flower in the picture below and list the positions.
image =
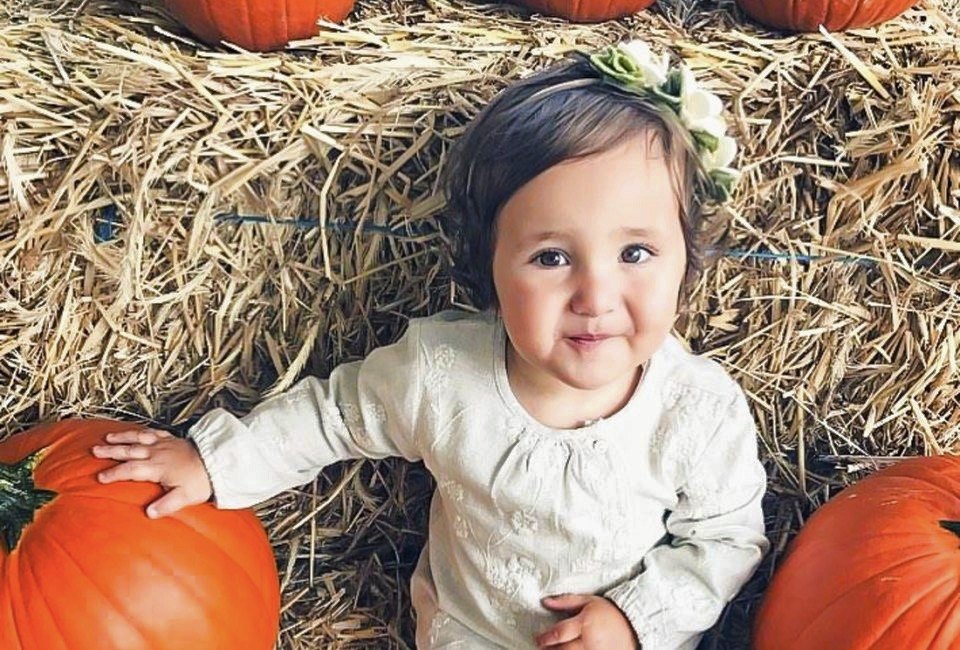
(700, 109)
(723, 156)
(652, 68)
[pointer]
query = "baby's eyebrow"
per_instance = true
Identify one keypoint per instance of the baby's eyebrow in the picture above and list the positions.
(537, 237)
(642, 233)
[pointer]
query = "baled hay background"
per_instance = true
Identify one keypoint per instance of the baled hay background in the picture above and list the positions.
(137, 281)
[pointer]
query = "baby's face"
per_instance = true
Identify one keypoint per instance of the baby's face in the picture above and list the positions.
(588, 262)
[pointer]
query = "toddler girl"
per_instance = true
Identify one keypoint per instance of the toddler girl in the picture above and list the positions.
(598, 486)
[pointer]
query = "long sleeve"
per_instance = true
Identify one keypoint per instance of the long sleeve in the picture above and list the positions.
(717, 541)
(366, 408)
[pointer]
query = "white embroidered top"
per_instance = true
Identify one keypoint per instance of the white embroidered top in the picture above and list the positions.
(656, 507)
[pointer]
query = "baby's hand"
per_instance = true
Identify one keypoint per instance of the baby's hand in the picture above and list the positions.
(157, 456)
(595, 623)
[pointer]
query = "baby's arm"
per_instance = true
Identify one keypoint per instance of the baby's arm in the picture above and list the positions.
(365, 409)
(718, 541)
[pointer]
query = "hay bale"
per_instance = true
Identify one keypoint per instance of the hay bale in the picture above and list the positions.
(184, 227)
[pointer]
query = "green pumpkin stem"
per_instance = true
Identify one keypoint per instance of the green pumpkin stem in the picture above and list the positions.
(952, 526)
(19, 497)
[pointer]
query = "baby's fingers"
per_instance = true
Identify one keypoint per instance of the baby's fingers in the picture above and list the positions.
(121, 452)
(134, 470)
(566, 631)
(137, 436)
(170, 502)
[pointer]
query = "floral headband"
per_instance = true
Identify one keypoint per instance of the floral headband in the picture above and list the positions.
(633, 67)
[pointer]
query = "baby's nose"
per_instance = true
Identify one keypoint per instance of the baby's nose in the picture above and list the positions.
(596, 294)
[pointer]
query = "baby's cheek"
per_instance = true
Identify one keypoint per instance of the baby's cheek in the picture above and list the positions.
(654, 302)
(653, 316)
(532, 298)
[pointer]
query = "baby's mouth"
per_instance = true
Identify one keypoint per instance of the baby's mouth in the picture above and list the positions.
(587, 340)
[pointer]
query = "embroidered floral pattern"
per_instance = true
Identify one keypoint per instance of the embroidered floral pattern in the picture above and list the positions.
(453, 490)
(442, 361)
(437, 625)
(508, 611)
(704, 495)
(461, 527)
(514, 575)
(585, 564)
(666, 445)
(375, 413)
(598, 476)
(351, 415)
(523, 523)
(690, 415)
(454, 493)
(332, 419)
(354, 422)
(709, 495)
(443, 357)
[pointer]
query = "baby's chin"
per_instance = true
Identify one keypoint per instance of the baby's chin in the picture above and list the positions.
(602, 378)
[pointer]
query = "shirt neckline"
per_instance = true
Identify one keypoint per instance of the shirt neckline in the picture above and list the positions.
(641, 393)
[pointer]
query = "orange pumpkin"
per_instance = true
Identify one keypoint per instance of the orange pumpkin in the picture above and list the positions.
(256, 24)
(876, 567)
(835, 15)
(83, 568)
(587, 11)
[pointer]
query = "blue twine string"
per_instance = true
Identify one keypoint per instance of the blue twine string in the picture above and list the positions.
(799, 257)
(105, 225)
(406, 230)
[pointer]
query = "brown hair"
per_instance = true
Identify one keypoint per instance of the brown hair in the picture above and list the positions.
(564, 112)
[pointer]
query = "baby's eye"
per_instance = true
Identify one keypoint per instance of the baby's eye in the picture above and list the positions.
(635, 254)
(551, 258)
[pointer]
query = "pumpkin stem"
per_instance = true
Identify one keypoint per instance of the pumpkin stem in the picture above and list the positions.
(19, 497)
(952, 526)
